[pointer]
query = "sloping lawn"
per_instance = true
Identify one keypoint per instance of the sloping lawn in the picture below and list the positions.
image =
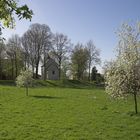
(65, 114)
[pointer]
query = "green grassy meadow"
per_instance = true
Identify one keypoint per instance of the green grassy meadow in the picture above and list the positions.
(70, 113)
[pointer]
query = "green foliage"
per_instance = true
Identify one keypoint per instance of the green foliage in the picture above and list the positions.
(94, 74)
(79, 60)
(97, 77)
(65, 114)
(100, 79)
(10, 7)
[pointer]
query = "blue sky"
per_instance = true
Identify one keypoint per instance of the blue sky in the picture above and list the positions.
(82, 20)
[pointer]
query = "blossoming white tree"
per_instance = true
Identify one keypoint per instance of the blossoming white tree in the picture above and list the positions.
(123, 74)
(25, 79)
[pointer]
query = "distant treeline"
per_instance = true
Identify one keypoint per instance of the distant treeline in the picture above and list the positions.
(37, 44)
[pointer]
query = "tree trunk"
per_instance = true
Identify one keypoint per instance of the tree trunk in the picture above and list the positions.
(0, 69)
(33, 70)
(89, 75)
(37, 65)
(78, 74)
(25, 68)
(28, 62)
(36, 74)
(59, 73)
(135, 100)
(25, 62)
(45, 75)
(44, 70)
(60, 69)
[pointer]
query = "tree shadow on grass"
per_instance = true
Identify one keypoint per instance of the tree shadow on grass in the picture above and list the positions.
(46, 97)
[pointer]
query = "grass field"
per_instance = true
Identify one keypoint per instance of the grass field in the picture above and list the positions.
(53, 113)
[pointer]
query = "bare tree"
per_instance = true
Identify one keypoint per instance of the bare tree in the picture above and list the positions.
(9, 9)
(29, 52)
(46, 43)
(36, 43)
(61, 46)
(94, 56)
(25, 46)
(14, 53)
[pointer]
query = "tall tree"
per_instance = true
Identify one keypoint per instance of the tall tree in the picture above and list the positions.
(123, 75)
(14, 53)
(27, 52)
(61, 46)
(79, 60)
(94, 56)
(47, 44)
(36, 43)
